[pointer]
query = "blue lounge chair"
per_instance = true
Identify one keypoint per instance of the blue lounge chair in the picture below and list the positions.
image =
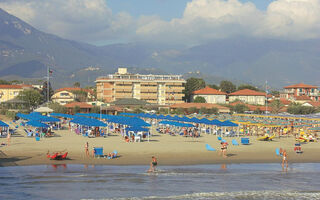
(209, 148)
(278, 152)
(235, 143)
(245, 141)
(98, 152)
(219, 138)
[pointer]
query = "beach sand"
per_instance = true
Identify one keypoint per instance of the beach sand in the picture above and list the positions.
(170, 150)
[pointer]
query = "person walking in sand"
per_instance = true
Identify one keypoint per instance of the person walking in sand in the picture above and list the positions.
(153, 164)
(86, 149)
(8, 138)
(284, 158)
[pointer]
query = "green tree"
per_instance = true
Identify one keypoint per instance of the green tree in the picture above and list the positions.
(44, 91)
(57, 108)
(95, 109)
(240, 108)
(76, 84)
(298, 109)
(199, 99)
(227, 86)
(192, 85)
(275, 93)
(31, 96)
(276, 105)
(214, 86)
(247, 86)
(4, 82)
(80, 95)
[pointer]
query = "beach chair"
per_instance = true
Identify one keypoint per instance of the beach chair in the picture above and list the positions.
(271, 138)
(29, 133)
(235, 143)
(98, 152)
(245, 141)
(209, 148)
(137, 138)
(219, 138)
(297, 148)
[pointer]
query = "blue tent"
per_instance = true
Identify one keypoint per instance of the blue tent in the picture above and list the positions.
(49, 119)
(37, 124)
(2, 124)
(228, 123)
(62, 115)
(88, 122)
(137, 128)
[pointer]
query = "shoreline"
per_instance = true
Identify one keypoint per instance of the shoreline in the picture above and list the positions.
(169, 150)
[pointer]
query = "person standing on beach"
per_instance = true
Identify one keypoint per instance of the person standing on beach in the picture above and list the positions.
(284, 158)
(8, 138)
(86, 149)
(153, 164)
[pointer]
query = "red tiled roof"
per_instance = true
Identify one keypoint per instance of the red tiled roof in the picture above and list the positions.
(14, 86)
(247, 92)
(210, 91)
(303, 97)
(79, 104)
(283, 101)
(300, 85)
(198, 105)
(74, 89)
(314, 103)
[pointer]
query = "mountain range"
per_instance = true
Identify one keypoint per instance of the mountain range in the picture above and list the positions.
(25, 53)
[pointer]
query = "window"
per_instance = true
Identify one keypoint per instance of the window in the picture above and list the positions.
(64, 94)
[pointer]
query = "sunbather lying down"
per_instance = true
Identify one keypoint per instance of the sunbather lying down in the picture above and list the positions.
(57, 155)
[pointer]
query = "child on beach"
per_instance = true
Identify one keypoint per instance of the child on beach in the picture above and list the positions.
(153, 164)
(224, 149)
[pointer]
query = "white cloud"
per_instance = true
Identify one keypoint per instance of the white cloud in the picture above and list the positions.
(202, 20)
(90, 20)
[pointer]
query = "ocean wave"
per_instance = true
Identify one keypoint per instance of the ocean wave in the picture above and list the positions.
(252, 195)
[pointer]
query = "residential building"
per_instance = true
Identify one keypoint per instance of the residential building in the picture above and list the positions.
(155, 89)
(82, 106)
(210, 95)
(293, 92)
(64, 96)
(248, 96)
(9, 92)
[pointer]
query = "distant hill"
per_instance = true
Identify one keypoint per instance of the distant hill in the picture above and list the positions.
(26, 52)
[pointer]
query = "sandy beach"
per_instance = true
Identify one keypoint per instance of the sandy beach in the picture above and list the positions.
(170, 150)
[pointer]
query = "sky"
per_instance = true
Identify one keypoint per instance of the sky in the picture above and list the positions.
(188, 22)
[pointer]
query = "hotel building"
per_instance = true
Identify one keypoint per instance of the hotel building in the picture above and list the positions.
(156, 89)
(300, 91)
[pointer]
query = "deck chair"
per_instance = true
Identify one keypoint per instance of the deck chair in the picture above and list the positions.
(98, 152)
(219, 138)
(29, 133)
(273, 136)
(278, 152)
(235, 143)
(137, 138)
(245, 141)
(209, 148)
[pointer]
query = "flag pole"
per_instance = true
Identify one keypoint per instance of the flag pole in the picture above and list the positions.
(48, 80)
(266, 96)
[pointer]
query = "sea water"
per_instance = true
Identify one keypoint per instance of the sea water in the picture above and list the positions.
(201, 182)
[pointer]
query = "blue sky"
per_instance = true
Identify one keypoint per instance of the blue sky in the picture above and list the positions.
(166, 9)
